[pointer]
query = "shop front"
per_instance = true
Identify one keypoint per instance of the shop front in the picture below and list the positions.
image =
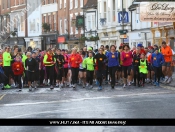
(162, 31)
(34, 42)
(143, 37)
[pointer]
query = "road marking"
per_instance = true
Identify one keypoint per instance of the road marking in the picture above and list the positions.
(82, 99)
(169, 87)
(2, 96)
(84, 108)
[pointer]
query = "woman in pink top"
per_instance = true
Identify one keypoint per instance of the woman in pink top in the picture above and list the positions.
(126, 57)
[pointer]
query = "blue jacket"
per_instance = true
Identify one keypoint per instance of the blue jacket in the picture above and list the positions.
(112, 59)
(157, 59)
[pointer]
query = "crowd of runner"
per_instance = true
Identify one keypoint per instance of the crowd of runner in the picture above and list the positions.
(107, 65)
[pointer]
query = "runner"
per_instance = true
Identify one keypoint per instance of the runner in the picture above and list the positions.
(100, 67)
(136, 60)
(113, 64)
(126, 58)
(59, 68)
(18, 69)
(66, 58)
(75, 60)
(89, 63)
(82, 70)
(30, 65)
(143, 69)
(7, 66)
(166, 66)
(49, 62)
(157, 60)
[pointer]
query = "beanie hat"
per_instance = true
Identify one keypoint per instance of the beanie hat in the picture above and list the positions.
(139, 45)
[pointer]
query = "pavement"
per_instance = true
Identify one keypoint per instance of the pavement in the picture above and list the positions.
(129, 102)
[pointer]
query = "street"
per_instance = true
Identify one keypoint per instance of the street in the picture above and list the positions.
(131, 102)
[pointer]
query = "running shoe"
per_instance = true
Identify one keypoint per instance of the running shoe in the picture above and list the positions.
(57, 84)
(168, 81)
(87, 85)
(30, 88)
(155, 83)
(129, 84)
(91, 87)
(97, 83)
(124, 86)
(112, 86)
(51, 87)
(165, 81)
(7, 86)
(100, 88)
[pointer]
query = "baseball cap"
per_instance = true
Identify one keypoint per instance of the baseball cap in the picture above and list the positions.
(139, 45)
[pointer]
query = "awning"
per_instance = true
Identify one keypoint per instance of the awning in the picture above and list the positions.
(13, 41)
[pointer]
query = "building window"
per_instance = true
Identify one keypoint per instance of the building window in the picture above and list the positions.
(71, 29)
(60, 4)
(81, 3)
(64, 3)
(50, 22)
(8, 5)
(93, 22)
(2, 4)
(22, 23)
(114, 13)
(60, 27)
(76, 3)
(109, 11)
(48, 2)
(65, 26)
(55, 21)
(89, 23)
(71, 4)
(104, 9)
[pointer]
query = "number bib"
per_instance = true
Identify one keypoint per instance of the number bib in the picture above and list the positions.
(113, 56)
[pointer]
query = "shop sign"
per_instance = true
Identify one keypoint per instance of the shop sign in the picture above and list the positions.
(61, 39)
(123, 36)
(157, 11)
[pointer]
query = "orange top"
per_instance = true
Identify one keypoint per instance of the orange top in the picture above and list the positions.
(167, 53)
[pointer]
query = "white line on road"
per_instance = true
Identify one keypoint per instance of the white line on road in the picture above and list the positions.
(82, 99)
(85, 109)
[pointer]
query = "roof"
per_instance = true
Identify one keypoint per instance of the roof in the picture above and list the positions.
(90, 4)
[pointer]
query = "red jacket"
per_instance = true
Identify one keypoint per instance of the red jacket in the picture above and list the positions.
(17, 68)
(73, 59)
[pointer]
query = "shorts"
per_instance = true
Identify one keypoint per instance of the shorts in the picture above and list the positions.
(36, 76)
(167, 64)
(30, 76)
(60, 74)
(150, 68)
(65, 72)
(82, 70)
(119, 69)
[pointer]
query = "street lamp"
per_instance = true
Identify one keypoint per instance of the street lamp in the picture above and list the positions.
(145, 34)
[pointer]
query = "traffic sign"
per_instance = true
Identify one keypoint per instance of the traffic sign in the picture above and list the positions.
(123, 36)
(123, 17)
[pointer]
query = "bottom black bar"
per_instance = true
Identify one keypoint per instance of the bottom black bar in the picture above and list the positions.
(87, 122)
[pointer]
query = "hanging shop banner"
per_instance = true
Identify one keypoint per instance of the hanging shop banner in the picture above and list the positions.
(79, 21)
(157, 11)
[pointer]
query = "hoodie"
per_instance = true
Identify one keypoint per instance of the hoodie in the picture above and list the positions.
(157, 59)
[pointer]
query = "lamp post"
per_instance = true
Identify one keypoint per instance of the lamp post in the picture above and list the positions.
(145, 34)
(16, 31)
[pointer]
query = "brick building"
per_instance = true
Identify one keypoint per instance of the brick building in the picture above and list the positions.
(67, 12)
(49, 13)
(13, 18)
